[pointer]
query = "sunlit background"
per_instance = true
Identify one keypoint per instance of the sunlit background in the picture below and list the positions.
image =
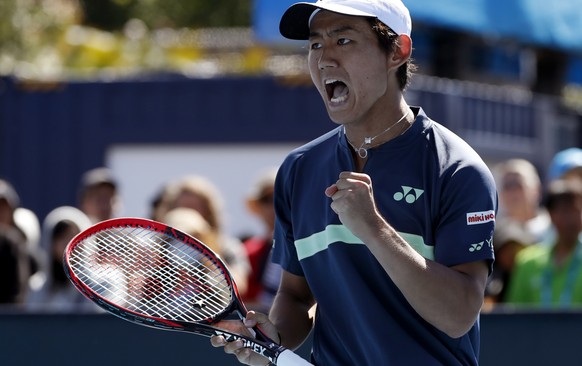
(521, 43)
(505, 75)
(155, 89)
(56, 39)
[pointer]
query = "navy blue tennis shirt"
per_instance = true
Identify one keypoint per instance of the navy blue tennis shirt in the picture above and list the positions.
(435, 190)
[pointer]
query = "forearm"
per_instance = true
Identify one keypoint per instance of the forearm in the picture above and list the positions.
(290, 315)
(449, 298)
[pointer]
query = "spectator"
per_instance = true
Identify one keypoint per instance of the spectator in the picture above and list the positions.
(156, 205)
(265, 275)
(26, 222)
(522, 221)
(14, 266)
(9, 201)
(520, 195)
(192, 223)
(58, 293)
(98, 196)
(198, 193)
(551, 276)
(566, 164)
(509, 239)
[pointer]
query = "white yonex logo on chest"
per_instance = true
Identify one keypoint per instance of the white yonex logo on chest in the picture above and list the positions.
(408, 194)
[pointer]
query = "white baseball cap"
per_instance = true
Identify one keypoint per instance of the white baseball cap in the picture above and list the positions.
(295, 21)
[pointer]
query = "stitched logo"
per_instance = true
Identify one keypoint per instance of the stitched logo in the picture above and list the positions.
(476, 218)
(489, 242)
(408, 194)
(476, 247)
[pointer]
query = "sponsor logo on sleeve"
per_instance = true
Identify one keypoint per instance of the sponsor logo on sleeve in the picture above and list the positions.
(478, 246)
(476, 218)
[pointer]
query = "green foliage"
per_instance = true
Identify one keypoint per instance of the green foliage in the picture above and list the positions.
(8, 39)
(113, 14)
(107, 14)
(48, 38)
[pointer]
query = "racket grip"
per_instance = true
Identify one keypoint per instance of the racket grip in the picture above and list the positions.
(289, 358)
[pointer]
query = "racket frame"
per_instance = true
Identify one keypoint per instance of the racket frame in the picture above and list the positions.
(261, 344)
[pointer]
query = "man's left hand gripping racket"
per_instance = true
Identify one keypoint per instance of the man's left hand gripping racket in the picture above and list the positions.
(151, 274)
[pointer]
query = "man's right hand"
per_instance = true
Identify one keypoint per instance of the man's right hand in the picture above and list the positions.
(245, 355)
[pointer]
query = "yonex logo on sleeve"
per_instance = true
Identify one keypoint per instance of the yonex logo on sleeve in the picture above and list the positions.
(476, 218)
(476, 247)
(409, 194)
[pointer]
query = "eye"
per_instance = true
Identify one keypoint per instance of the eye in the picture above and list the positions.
(315, 46)
(343, 41)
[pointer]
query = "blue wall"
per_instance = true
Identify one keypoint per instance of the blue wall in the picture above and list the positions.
(51, 133)
(507, 339)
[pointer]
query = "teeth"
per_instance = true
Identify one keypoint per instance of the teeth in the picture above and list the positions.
(331, 86)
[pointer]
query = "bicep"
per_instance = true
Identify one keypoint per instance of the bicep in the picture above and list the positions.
(296, 288)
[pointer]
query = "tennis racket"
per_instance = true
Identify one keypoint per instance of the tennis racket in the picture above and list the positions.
(154, 275)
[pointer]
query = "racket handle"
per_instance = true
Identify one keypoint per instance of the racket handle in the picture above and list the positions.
(289, 358)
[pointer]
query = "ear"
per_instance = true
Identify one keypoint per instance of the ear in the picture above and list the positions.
(402, 50)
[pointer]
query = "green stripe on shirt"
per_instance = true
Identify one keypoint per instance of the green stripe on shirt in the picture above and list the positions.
(318, 242)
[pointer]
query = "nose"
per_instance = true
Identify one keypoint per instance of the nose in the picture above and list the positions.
(326, 59)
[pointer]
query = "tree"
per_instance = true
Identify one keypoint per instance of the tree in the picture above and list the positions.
(114, 14)
(107, 15)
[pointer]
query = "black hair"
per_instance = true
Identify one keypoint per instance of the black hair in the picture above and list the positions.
(388, 40)
(562, 191)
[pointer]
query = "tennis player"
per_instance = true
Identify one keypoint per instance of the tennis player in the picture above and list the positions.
(386, 222)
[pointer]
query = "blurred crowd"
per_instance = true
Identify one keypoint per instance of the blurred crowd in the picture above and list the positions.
(537, 237)
(537, 234)
(31, 250)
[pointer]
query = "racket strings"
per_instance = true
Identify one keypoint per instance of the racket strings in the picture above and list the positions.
(151, 285)
(108, 279)
(165, 273)
(201, 283)
(152, 273)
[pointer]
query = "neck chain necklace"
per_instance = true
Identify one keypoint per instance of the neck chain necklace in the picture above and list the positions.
(363, 152)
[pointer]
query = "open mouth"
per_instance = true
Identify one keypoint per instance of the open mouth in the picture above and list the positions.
(337, 91)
